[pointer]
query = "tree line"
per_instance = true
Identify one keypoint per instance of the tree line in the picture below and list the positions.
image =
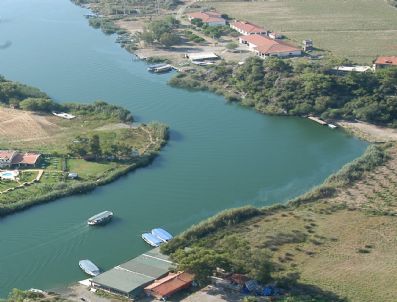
(276, 86)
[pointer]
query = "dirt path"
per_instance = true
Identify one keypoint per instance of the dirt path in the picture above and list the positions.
(370, 132)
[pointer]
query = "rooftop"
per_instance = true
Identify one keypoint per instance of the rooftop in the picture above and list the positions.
(248, 27)
(386, 60)
(170, 284)
(135, 273)
(210, 16)
(266, 45)
(7, 154)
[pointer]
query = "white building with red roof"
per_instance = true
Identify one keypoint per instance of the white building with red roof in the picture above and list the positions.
(265, 47)
(382, 62)
(210, 18)
(247, 28)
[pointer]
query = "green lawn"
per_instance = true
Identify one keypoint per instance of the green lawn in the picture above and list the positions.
(88, 169)
(358, 29)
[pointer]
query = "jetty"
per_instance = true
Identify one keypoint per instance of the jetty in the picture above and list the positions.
(317, 120)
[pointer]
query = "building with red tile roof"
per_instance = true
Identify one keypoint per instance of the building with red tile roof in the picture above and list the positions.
(167, 286)
(265, 47)
(10, 158)
(382, 62)
(210, 18)
(247, 28)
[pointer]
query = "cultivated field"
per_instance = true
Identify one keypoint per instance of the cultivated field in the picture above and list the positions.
(358, 29)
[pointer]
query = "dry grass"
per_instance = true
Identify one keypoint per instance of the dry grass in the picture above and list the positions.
(358, 29)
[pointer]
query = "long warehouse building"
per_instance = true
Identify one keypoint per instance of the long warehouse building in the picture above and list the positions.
(130, 278)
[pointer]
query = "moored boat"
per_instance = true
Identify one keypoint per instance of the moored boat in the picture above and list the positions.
(151, 239)
(100, 218)
(162, 234)
(89, 267)
(159, 68)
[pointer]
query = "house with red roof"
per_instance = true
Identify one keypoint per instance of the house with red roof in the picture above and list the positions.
(210, 18)
(247, 28)
(265, 47)
(382, 62)
(169, 285)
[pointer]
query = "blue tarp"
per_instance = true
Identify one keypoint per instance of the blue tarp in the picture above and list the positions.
(162, 234)
(151, 239)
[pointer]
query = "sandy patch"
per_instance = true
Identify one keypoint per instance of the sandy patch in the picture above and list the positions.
(369, 132)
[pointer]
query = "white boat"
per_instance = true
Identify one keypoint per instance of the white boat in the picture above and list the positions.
(162, 234)
(100, 218)
(332, 126)
(89, 268)
(151, 239)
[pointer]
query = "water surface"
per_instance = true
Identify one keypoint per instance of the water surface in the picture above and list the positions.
(219, 155)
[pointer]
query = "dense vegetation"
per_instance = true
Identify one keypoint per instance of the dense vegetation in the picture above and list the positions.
(276, 86)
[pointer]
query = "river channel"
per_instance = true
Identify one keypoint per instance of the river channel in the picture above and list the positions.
(219, 155)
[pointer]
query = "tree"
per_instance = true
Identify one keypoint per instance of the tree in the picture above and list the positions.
(197, 22)
(201, 262)
(231, 45)
(168, 39)
(37, 104)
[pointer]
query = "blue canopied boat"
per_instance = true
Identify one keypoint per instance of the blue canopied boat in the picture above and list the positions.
(162, 234)
(151, 239)
(89, 268)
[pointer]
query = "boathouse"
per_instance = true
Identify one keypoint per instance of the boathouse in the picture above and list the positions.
(130, 278)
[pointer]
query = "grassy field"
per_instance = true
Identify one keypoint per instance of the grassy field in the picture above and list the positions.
(358, 29)
(341, 248)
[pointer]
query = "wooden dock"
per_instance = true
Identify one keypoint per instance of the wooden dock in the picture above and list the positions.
(317, 120)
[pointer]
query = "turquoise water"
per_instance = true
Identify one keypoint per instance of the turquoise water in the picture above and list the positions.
(219, 155)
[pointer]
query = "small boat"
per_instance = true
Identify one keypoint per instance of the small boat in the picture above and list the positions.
(159, 68)
(89, 268)
(332, 126)
(100, 218)
(162, 234)
(151, 239)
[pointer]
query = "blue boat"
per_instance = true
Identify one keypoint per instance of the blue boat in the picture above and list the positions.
(162, 234)
(151, 239)
(89, 268)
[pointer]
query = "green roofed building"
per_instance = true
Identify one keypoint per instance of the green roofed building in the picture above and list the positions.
(130, 278)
